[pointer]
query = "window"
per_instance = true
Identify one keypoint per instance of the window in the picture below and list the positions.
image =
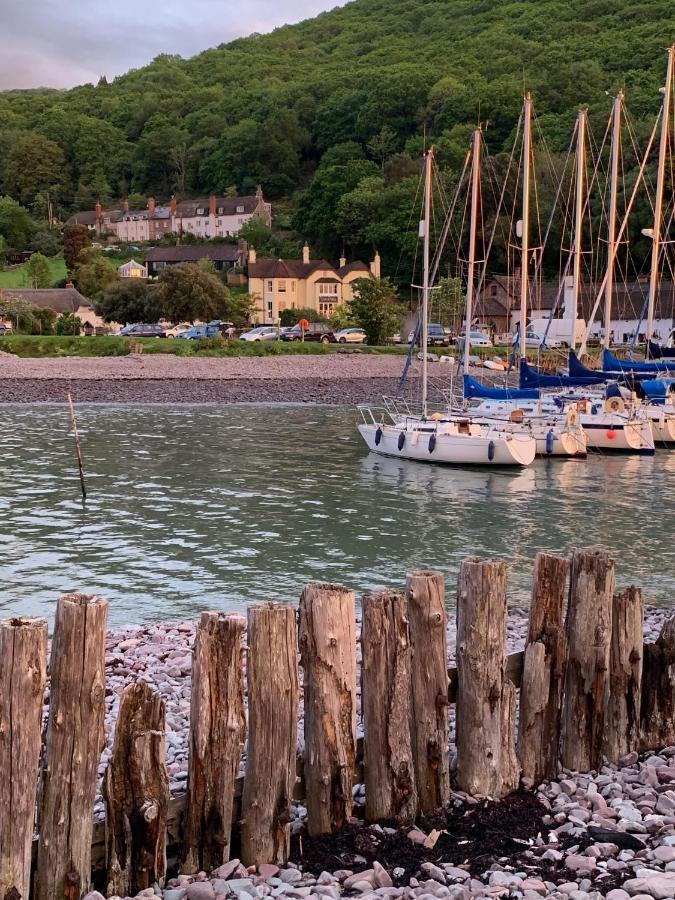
(220, 210)
(270, 286)
(326, 308)
(292, 287)
(240, 209)
(493, 290)
(328, 290)
(282, 285)
(270, 309)
(201, 211)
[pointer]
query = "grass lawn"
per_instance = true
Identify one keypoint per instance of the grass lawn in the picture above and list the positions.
(16, 276)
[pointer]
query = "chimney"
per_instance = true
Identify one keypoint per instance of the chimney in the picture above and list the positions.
(99, 210)
(305, 253)
(259, 194)
(151, 206)
(375, 266)
(125, 206)
(212, 205)
(343, 262)
(252, 256)
(69, 284)
(174, 205)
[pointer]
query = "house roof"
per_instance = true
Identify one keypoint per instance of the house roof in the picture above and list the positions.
(195, 252)
(59, 299)
(356, 266)
(228, 205)
(131, 263)
(83, 218)
(287, 268)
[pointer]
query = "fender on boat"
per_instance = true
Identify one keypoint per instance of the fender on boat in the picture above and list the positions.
(432, 443)
(378, 436)
(491, 450)
(401, 440)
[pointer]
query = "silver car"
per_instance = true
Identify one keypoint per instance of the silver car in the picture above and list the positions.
(351, 336)
(261, 333)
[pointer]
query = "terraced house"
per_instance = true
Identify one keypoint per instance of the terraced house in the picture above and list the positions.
(305, 283)
(205, 217)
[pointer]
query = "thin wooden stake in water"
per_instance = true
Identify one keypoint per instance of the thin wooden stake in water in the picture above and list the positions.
(78, 451)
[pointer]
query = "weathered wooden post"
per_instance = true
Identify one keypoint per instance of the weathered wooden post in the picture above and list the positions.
(328, 658)
(23, 673)
(589, 636)
(272, 675)
(217, 729)
(425, 593)
(657, 706)
(622, 733)
(486, 754)
(136, 793)
(73, 745)
(385, 702)
(541, 688)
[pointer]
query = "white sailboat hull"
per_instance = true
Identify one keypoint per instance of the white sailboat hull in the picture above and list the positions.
(450, 449)
(663, 425)
(610, 432)
(553, 434)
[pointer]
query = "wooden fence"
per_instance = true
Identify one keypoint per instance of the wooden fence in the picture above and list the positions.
(589, 691)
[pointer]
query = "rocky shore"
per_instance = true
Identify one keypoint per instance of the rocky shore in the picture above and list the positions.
(585, 836)
(336, 378)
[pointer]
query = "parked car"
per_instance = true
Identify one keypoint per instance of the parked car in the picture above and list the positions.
(197, 332)
(351, 336)
(227, 329)
(142, 330)
(5, 328)
(476, 339)
(261, 333)
(317, 331)
(436, 336)
(173, 331)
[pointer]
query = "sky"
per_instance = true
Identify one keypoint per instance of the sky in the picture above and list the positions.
(61, 43)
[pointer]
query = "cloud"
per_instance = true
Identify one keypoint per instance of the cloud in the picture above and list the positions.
(61, 43)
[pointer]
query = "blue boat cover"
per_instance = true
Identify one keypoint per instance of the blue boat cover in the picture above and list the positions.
(656, 351)
(579, 370)
(610, 363)
(473, 388)
(533, 378)
(656, 391)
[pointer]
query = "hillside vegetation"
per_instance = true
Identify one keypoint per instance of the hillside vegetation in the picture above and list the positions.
(333, 113)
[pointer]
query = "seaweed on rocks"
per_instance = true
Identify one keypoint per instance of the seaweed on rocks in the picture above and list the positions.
(473, 836)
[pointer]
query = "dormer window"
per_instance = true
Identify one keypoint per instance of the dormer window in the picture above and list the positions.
(220, 210)
(240, 209)
(201, 211)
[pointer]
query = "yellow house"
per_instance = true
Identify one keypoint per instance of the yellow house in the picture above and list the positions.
(280, 284)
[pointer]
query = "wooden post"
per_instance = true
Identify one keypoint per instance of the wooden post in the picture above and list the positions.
(486, 758)
(217, 729)
(23, 673)
(622, 733)
(544, 667)
(385, 702)
(272, 674)
(73, 746)
(425, 592)
(328, 658)
(78, 450)
(589, 636)
(136, 793)
(657, 706)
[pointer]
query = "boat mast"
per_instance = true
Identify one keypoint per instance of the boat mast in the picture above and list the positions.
(475, 190)
(578, 223)
(658, 202)
(425, 227)
(525, 241)
(611, 224)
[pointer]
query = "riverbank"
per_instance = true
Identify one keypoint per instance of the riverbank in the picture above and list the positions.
(335, 378)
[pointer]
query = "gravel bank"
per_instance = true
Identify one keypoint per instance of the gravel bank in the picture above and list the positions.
(336, 379)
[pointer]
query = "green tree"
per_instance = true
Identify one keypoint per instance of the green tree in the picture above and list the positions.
(375, 308)
(46, 242)
(3, 250)
(93, 273)
(16, 226)
(189, 293)
(34, 164)
(68, 323)
(241, 306)
(290, 317)
(38, 272)
(341, 317)
(44, 319)
(75, 239)
(130, 300)
(447, 301)
(19, 312)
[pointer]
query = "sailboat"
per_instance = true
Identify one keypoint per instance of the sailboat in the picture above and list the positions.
(513, 411)
(439, 437)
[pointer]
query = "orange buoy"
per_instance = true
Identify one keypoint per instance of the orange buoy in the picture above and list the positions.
(611, 434)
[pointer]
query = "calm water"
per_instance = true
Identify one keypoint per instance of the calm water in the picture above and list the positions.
(197, 507)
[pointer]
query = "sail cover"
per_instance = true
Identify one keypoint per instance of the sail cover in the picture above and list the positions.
(657, 391)
(533, 378)
(474, 389)
(578, 370)
(656, 351)
(610, 363)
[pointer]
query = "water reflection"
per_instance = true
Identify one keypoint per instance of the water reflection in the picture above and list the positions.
(206, 506)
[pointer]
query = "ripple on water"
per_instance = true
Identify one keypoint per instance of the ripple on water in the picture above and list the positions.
(216, 507)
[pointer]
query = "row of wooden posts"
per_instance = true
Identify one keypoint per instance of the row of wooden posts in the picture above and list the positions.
(589, 690)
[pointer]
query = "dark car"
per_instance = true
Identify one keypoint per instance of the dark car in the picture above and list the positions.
(437, 336)
(317, 331)
(143, 331)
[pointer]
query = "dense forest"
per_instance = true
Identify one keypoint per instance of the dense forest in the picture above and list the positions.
(331, 116)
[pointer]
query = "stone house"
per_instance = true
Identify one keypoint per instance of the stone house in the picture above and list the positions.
(280, 284)
(223, 256)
